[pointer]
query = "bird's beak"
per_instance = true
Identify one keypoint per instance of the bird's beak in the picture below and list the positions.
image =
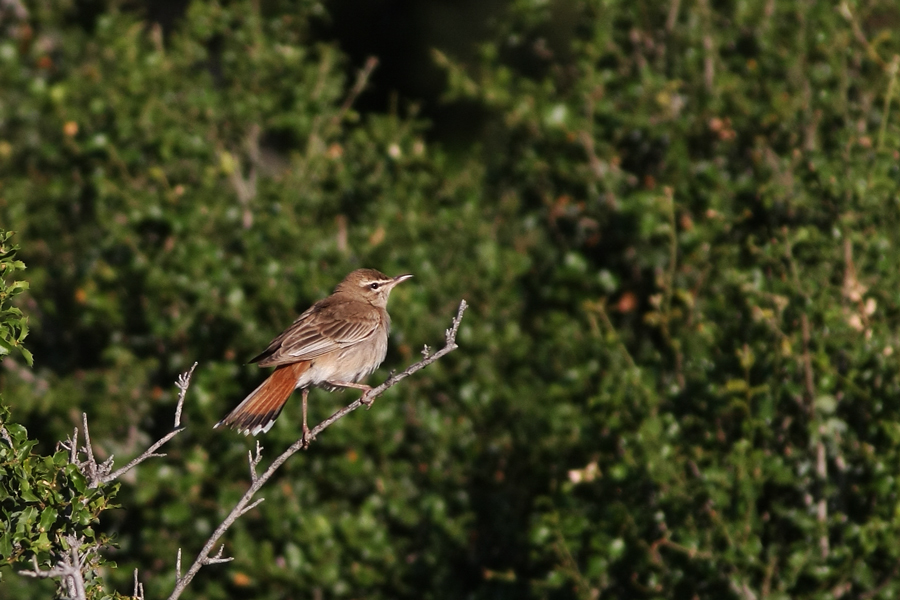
(401, 279)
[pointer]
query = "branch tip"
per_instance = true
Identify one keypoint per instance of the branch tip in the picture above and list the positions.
(184, 380)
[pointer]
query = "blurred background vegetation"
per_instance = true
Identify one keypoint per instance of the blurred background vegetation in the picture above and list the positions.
(676, 223)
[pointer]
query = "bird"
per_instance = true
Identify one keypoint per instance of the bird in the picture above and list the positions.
(334, 344)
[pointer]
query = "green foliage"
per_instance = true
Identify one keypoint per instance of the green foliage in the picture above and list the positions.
(13, 324)
(724, 224)
(45, 501)
(677, 234)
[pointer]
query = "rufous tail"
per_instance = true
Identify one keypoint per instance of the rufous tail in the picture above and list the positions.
(257, 413)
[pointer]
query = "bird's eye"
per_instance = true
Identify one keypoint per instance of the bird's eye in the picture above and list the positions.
(374, 286)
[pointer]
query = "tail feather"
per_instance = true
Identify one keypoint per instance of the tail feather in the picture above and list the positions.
(257, 413)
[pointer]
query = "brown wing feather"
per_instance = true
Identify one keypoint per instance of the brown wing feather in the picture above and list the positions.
(328, 325)
(259, 410)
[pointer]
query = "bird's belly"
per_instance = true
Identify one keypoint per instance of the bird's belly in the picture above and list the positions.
(346, 365)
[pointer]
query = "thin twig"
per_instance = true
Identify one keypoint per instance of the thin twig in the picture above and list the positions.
(709, 66)
(68, 569)
(38, 573)
(244, 504)
(808, 378)
(672, 17)
(669, 291)
(184, 380)
(871, 52)
(599, 307)
(245, 187)
(821, 459)
(569, 564)
(91, 463)
(254, 460)
(314, 142)
(78, 566)
(138, 587)
(218, 558)
(252, 505)
(743, 590)
(362, 78)
(149, 453)
(99, 474)
(770, 571)
(73, 446)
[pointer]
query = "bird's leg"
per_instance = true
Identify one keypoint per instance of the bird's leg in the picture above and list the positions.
(306, 438)
(356, 386)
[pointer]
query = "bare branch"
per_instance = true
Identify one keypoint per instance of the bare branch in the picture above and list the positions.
(78, 563)
(254, 460)
(244, 504)
(184, 381)
(672, 17)
(178, 566)
(362, 78)
(69, 568)
(99, 474)
(148, 453)
(245, 187)
(138, 587)
(218, 558)
(394, 379)
(37, 573)
(71, 445)
(91, 464)
(252, 505)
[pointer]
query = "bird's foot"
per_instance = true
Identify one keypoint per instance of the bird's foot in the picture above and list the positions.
(307, 437)
(366, 400)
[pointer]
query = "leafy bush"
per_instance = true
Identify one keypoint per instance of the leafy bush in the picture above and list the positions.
(677, 234)
(46, 504)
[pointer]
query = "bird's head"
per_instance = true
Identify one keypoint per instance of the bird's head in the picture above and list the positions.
(370, 285)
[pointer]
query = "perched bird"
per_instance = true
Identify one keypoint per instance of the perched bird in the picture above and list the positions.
(336, 342)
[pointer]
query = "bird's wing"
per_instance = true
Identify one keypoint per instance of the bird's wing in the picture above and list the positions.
(327, 326)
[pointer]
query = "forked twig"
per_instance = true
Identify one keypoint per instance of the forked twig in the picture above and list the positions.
(254, 460)
(138, 587)
(99, 474)
(184, 381)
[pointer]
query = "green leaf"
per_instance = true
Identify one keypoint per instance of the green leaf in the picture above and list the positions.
(48, 518)
(29, 359)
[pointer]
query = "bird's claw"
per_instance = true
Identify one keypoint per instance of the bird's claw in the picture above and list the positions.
(307, 438)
